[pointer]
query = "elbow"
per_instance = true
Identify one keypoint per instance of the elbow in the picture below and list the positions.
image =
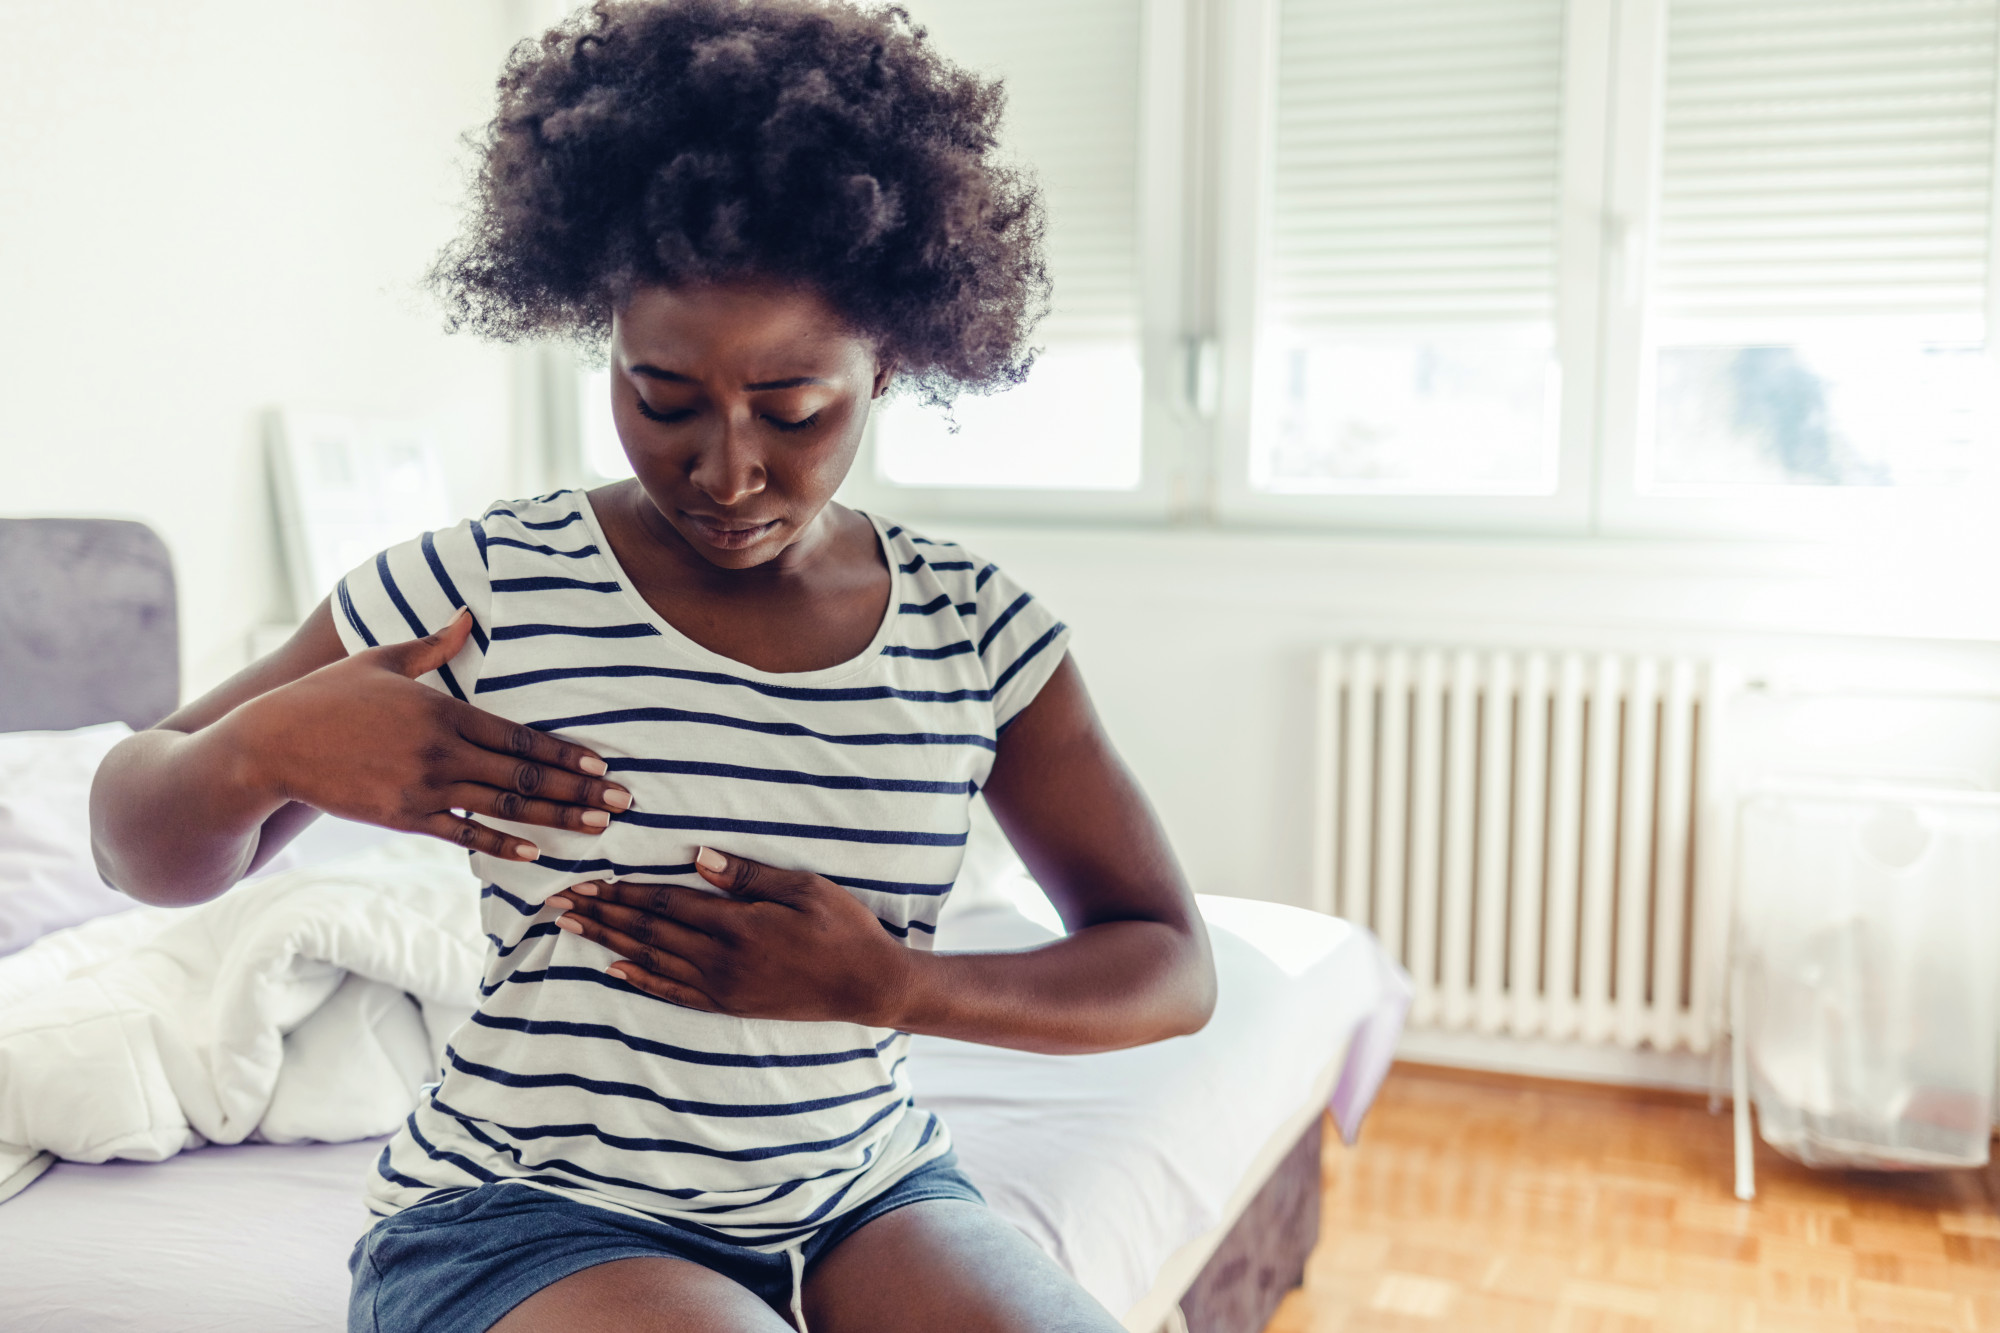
(1197, 988)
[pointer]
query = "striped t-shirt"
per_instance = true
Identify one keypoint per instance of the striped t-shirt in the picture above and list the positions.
(566, 1078)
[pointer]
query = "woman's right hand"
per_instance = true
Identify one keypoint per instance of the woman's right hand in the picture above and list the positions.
(359, 738)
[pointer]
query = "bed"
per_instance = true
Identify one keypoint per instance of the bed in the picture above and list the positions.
(1183, 1191)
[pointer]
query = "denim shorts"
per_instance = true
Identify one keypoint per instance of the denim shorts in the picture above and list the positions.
(458, 1262)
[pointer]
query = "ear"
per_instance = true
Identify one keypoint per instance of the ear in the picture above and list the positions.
(885, 371)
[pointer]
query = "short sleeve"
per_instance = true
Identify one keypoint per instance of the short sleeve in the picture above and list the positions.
(414, 589)
(1020, 641)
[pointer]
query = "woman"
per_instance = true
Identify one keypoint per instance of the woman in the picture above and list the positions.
(709, 737)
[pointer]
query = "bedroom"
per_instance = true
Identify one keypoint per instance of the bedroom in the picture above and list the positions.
(222, 219)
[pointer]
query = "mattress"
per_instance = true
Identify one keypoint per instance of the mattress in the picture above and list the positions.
(1116, 1163)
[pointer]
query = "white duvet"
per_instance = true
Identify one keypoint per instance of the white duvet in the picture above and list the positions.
(308, 1005)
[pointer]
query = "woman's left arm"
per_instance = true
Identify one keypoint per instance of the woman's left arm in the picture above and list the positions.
(1134, 968)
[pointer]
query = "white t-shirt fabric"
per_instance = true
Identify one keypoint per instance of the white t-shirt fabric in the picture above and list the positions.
(756, 1131)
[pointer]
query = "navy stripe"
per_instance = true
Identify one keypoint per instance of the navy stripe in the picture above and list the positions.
(436, 1154)
(410, 618)
(617, 671)
(1048, 637)
(532, 932)
(903, 932)
(600, 866)
(528, 1133)
(550, 583)
(833, 782)
(520, 905)
(544, 1027)
(535, 978)
(894, 532)
(622, 715)
(574, 516)
(1014, 609)
(479, 540)
(889, 886)
(916, 563)
(580, 631)
(450, 590)
(395, 1177)
(936, 604)
(949, 650)
(577, 554)
(979, 584)
(779, 829)
(417, 629)
(353, 616)
(639, 1092)
(951, 564)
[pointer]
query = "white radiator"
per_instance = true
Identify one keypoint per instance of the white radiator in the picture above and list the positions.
(1527, 832)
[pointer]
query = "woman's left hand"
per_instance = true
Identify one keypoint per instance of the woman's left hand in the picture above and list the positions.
(777, 944)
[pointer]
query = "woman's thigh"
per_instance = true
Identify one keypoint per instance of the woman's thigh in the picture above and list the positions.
(650, 1295)
(945, 1264)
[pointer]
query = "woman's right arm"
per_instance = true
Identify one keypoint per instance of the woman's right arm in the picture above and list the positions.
(182, 811)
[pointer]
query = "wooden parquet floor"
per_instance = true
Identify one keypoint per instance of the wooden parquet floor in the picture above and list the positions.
(1488, 1203)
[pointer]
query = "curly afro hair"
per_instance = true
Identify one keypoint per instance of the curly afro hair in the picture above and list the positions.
(809, 141)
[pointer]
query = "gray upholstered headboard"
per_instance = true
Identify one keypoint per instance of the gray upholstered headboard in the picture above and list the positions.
(89, 630)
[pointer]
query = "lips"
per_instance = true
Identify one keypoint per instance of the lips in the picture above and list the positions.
(728, 534)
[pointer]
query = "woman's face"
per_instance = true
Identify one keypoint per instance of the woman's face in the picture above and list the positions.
(741, 407)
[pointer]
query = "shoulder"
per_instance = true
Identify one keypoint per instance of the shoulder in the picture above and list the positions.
(1017, 639)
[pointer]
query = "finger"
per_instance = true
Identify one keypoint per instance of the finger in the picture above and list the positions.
(657, 931)
(746, 878)
(660, 988)
(518, 809)
(660, 962)
(689, 907)
(528, 777)
(475, 837)
(494, 733)
(414, 658)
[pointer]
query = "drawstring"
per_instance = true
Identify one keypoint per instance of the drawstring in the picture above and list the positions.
(797, 1254)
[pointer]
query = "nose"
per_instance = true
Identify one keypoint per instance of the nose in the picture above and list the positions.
(728, 468)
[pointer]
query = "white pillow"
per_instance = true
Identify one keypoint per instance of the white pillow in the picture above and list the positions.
(48, 879)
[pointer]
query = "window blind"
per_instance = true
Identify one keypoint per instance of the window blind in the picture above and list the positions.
(1072, 76)
(1416, 164)
(1826, 158)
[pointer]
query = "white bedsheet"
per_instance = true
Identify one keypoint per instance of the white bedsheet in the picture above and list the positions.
(1110, 1162)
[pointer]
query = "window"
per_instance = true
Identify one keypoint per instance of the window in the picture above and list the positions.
(1824, 224)
(1408, 340)
(1537, 265)
(1074, 77)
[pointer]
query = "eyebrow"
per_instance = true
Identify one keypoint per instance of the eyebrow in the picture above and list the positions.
(762, 386)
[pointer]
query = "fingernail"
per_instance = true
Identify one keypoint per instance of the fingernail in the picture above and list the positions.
(570, 924)
(618, 798)
(559, 903)
(592, 765)
(595, 819)
(584, 890)
(711, 860)
(527, 851)
(613, 970)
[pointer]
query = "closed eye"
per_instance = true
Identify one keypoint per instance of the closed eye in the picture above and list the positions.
(804, 423)
(672, 415)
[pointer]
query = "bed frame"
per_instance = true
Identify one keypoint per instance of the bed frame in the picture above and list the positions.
(89, 633)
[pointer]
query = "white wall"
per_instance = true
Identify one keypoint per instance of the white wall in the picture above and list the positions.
(215, 207)
(1200, 646)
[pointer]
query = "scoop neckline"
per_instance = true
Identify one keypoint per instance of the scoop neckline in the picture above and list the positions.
(666, 629)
